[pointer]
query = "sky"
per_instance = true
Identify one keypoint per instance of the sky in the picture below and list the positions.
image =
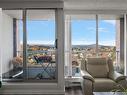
(83, 32)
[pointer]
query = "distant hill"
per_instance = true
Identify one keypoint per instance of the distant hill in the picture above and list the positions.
(44, 46)
(73, 46)
(89, 46)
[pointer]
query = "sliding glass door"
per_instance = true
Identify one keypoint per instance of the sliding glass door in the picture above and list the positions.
(33, 46)
(111, 39)
(83, 40)
(41, 50)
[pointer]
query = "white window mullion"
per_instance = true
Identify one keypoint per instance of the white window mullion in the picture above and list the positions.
(24, 45)
(60, 50)
(97, 22)
(0, 44)
(68, 46)
(125, 44)
(18, 39)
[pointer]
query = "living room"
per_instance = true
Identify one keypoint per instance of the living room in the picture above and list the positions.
(43, 43)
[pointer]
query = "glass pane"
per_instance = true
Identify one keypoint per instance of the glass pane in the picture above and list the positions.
(41, 62)
(12, 67)
(83, 30)
(110, 27)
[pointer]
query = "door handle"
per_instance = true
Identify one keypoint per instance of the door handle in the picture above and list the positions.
(56, 42)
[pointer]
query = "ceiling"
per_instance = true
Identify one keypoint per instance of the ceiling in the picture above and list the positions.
(96, 4)
(50, 15)
(74, 7)
(93, 16)
(86, 4)
(32, 14)
(30, 0)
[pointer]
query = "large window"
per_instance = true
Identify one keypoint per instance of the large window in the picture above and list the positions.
(41, 62)
(110, 39)
(83, 41)
(32, 52)
(107, 37)
(94, 36)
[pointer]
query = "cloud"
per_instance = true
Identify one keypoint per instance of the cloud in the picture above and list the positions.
(100, 29)
(105, 43)
(39, 42)
(83, 42)
(80, 42)
(113, 22)
(91, 29)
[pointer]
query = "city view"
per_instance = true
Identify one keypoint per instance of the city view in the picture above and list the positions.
(43, 54)
(41, 50)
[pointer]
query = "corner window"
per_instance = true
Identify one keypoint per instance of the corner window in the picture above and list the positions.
(93, 36)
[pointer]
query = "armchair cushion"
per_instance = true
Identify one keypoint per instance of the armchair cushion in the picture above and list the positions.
(104, 84)
(97, 67)
(117, 76)
(86, 75)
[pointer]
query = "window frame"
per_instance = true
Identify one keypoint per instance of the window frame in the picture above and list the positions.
(97, 34)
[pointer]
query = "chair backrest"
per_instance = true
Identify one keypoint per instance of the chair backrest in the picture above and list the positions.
(98, 67)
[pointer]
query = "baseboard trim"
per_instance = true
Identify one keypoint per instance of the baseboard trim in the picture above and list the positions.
(33, 92)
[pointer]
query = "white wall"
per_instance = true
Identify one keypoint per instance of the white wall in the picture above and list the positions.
(7, 42)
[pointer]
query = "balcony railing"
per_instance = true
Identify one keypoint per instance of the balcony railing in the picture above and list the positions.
(41, 65)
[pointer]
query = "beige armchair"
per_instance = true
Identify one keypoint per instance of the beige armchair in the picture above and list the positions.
(98, 75)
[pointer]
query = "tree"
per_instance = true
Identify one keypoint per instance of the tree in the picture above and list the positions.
(113, 54)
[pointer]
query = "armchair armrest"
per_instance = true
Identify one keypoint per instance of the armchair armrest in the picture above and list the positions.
(117, 76)
(86, 75)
